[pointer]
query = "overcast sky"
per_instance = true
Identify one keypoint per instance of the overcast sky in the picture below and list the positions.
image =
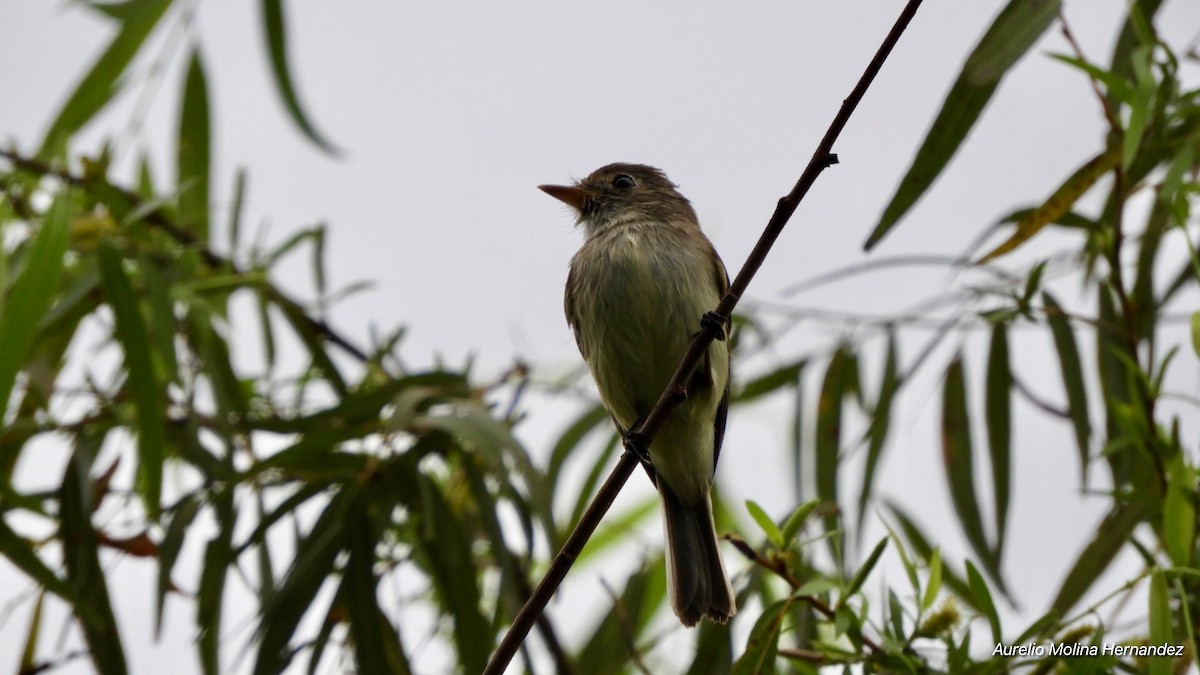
(448, 116)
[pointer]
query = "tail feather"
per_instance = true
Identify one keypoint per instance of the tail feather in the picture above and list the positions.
(696, 578)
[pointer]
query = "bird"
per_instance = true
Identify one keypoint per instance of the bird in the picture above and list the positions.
(636, 293)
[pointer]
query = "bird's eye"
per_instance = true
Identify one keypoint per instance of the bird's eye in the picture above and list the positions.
(624, 182)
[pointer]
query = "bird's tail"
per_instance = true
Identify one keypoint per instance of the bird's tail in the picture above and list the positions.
(695, 575)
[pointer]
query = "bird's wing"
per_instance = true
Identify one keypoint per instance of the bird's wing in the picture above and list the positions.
(721, 277)
(569, 307)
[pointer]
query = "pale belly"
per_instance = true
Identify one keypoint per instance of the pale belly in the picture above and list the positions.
(636, 319)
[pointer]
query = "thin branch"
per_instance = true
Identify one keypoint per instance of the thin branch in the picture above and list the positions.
(157, 219)
(778, 566)
(709, 330)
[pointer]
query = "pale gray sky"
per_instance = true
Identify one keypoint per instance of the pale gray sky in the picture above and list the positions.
(450, 115)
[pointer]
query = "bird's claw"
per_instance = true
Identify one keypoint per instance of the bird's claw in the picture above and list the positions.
(715, 322)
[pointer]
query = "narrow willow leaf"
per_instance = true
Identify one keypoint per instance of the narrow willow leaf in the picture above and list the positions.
(1014, 31)
(314, 341)
(276, 37)
(1113, 359)
(32, 293)
(834, 389)
(860, 577)
(163, 326)
(148, 393)
(21, 554)
(1072, 375)
(764, 521)
(1111, 536)
(1143, 302)
(1115, 86)
(1195, 322)
(999, 427)
(780, 378)
(714, 650)
(1161, 631)
(81, 559)
(100, 84)
(881, 418)
(957, 458)
(182, 516)
(984, 601)
(570, 440)
(313, 564)
(1141, 105)
(795, 522)
(218, 558)
(920, 543)
(1011, 34)
(29, 653)
(605, 651)
(1137, 30)
(235, 211)
(1058, 203)
(759, 655)
(446, 544)
(375, 642)
(934, 585)
(193, 161)
(1179, 512)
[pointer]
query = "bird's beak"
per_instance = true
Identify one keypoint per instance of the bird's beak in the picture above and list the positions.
(570, 195)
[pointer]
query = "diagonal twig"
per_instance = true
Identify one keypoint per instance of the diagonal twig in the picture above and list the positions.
(671, 396)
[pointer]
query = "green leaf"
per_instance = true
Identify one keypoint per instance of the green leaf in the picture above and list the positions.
(313, 564)
(1179, 512)
(218, 557)
(714, 650)
(834, 389)
(276, 37)
(780, 378)
(193, 168)
(999, 423)
(1111, 536)
(759, 655)
(934, 584)
(1059, 203)
(20, 552)
(81, 559)
(1141, 105)
(795, 522)
(376, 644)
(1195, 322)
(860, 577)
(1115, 86)
(1072, 375)
(1113, 362)
(881, 418)
(1160, 623)
(607, 651)
(235, 211)
(33, 290)
(1011, 34)
(447, 544)
(983, 600)
(29, 653)
(100, 84)
(148, 393)
(182, 516)
(957, 457)
(920, 543)
(764, 521)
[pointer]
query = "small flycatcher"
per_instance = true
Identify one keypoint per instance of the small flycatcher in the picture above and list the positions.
(636, 292)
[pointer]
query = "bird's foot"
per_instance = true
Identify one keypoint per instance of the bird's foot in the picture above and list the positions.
(713, 321)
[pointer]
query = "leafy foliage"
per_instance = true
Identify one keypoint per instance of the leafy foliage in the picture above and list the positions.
(326, 470)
